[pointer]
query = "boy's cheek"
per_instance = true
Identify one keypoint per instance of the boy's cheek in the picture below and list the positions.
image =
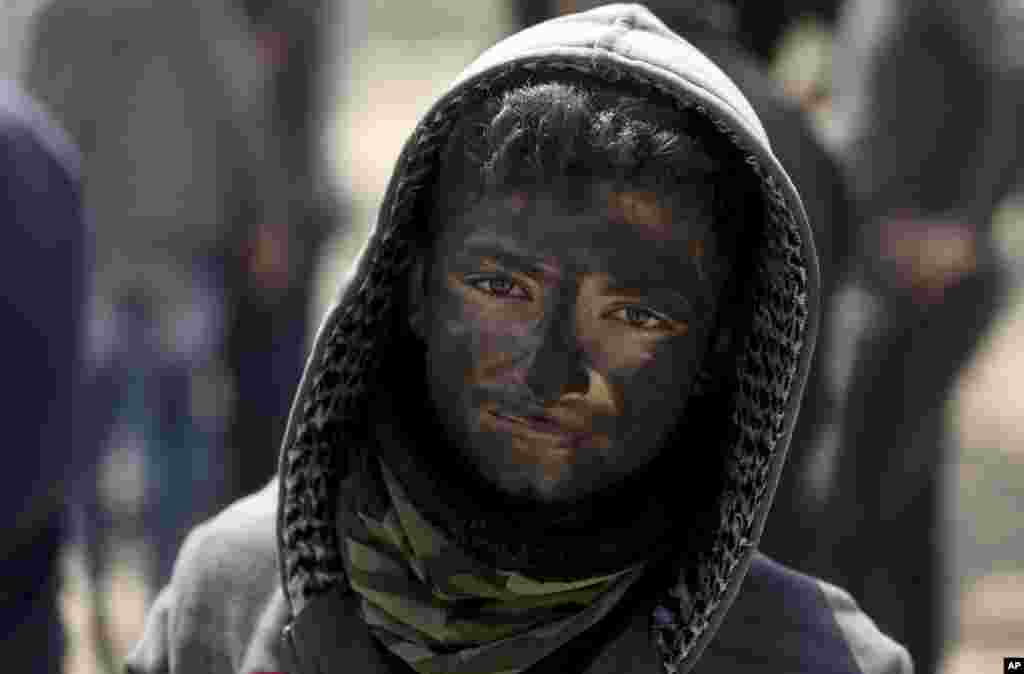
(482, 346)
(489, 326)
(653, 378)
(620, 356)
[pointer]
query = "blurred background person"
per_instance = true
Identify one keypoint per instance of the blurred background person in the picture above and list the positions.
(198, 124)
(276, 279)
(927, 115)
(759, 26)
(164, 100)
(741, 38)
(44, 257)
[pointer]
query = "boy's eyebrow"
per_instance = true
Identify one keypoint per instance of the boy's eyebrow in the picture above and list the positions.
(646, 285)
(510, 257)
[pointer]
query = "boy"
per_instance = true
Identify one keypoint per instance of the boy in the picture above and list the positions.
(541, 429)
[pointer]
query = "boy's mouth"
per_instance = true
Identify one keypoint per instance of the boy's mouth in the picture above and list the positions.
(565, 433)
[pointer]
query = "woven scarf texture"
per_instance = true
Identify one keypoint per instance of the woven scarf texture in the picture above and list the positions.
(439, 610)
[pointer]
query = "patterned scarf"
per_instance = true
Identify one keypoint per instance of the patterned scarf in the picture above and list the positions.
(439, 610)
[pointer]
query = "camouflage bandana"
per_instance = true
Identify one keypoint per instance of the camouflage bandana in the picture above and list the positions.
(440, 610)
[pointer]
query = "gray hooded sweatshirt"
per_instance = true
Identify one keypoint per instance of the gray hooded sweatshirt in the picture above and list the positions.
(262, 587)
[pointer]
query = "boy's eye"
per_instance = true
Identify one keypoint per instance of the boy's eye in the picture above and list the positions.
(499, 287)
(645, 319)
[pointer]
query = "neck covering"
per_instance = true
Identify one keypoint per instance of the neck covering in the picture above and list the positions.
(440, 610)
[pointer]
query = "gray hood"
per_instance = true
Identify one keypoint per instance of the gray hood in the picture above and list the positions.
(614, 43)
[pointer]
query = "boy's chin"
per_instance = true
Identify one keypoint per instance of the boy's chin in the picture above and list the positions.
(528, 475)
(535, 488)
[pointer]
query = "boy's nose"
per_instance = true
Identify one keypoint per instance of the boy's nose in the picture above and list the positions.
(557, 367)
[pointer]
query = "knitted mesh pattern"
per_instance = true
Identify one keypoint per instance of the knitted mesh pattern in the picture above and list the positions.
(330, 428)
(766, 372)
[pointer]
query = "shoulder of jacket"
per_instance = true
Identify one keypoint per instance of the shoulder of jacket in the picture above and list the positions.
(872, 650)
(785, 620)
(241, 535)
(224, 605)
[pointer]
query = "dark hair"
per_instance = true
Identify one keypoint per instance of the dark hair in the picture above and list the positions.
(558, 133)
(562, 137)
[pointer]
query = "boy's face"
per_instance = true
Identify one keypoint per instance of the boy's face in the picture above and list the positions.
(563, 337)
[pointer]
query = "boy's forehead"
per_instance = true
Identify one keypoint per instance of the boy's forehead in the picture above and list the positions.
(644, 211)
(596, 210)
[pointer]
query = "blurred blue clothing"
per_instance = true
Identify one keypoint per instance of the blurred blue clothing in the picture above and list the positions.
(43, 254)
(152, 369)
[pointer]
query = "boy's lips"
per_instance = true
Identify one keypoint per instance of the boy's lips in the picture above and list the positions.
(567, 431)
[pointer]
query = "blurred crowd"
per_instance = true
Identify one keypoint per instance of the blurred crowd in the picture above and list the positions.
(175, 155)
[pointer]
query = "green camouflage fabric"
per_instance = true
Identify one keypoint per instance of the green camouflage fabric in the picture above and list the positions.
(440, 610)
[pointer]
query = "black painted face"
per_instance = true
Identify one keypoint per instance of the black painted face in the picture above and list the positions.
(563, 337)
